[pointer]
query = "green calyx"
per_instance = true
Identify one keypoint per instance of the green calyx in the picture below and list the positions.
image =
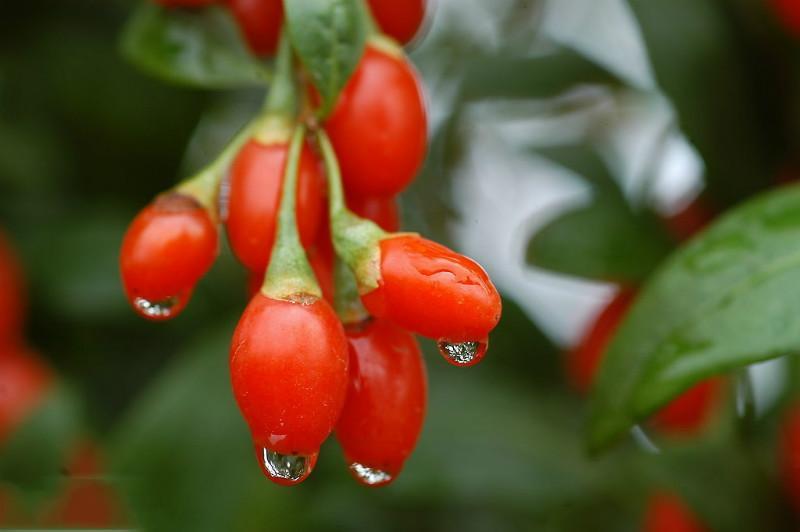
(272, 125)
(356, 241)
(289, 275)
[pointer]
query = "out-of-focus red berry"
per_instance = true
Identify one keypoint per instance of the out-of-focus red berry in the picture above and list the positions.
(24, 382)
(386, 400)
(378, 127)
(789, 453)
(691, 411)
(400, 19)
(11, 294)
(690, 220)
(666, 512)
(788, 12)
(260, 21)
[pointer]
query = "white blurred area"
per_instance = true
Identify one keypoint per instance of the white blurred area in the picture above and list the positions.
(504, 193)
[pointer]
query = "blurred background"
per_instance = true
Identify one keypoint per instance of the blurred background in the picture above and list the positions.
(641, 120)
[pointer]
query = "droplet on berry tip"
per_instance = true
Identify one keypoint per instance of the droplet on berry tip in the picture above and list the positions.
(162, 309)
(462, 353)
(286, 468)
(370, 476)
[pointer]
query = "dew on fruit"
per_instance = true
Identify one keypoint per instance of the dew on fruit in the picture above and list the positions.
(285, 468)
(370, 476)
(162, 309)
(462, 353)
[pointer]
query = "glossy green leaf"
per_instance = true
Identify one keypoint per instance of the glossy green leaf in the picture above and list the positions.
(329, 37)
(729, 298)
(196, 47)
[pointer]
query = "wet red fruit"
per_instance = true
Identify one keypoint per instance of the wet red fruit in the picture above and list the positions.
(186, 3)
(24, 382)
(691, 411)
(789, 454)
(386, 399)
(378, 127)
(11, 294)
(583, 362)
(288, 366)
(398, 19)
(666, 512)
(381, 210)
(260, 21)
(788, 11)
(256, 179)
(168, 247)
(431, 290)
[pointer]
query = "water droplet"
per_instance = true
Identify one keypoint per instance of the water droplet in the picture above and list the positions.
(370, 476)
(162, 309)
(286, 469)
(463, 353)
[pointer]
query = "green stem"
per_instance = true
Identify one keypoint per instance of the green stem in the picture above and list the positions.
(369, 20)
(204, 185)
(289, 274)
(356, 241)
(282, 97)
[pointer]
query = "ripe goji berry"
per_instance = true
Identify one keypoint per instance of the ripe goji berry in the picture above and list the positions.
(386, 399)
(11, 294)
(399, 20)
(24, 382)
(431, 290)
(168, 247)
(666, 512)
(288, 365)
(789, 453)
(788, 12)
(691, 411)
(381, 210)
(256, 178)
(260, 21)
(378, 127)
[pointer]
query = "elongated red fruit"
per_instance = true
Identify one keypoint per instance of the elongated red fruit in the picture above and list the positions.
(168, 247)
(381, 210)
(386, 400)
(256, 179)
(288, 366)
(378, 127)
(11, 294)
(24, 382)
(435, 292)
(400, 19)
(666, 512)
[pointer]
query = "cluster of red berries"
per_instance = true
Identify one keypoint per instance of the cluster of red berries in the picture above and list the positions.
(25, 383)
(300, 370)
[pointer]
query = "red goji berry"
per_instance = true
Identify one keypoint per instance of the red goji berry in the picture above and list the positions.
(168, 247)
(378, 126)
(381, 210)
(288, 365)
(788, 12)
(399, 20)
(386, 399)
(24, 381)
(260, 21)
(789, 453)
(666, 512)
(431, 290)
(256, 178)
(11, 294)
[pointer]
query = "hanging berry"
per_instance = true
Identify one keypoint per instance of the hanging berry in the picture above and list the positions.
(666, 512)
(260, 21)
(378, 127)
(399, 20)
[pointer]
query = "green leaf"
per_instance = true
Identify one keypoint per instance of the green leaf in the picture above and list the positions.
(605, 239)
(34, 456)
(195, 47)
(329, 37)
(729, 298)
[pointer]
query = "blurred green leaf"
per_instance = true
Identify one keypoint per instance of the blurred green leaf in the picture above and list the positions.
(329, 37)
(727, 299)
(34, 456)
(691, 42)
(606, 239)
(194, 47)
(542, 76)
